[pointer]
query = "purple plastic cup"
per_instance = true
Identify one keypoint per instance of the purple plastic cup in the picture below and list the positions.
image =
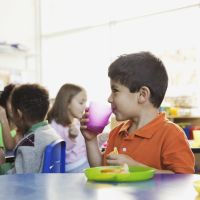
(99, 115)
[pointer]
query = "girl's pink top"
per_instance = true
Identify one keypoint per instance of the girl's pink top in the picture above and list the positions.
(75, 149)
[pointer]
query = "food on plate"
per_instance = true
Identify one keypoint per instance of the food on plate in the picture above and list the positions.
(196, 185)
(115, 151)
(121, 170)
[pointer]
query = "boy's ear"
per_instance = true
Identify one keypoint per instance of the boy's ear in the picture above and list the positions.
(144, 94)
(19, 113)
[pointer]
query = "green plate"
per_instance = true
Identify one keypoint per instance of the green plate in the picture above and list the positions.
(137, 173)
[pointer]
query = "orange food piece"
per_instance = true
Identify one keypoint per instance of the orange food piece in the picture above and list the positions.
(111, 170)
(121, 170)
(115, 151)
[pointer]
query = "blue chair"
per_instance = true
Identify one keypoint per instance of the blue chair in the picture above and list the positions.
(54, 157)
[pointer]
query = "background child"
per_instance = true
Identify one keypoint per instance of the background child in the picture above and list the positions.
(64, 117)
(8, 132)
(138, 85)
(30, 103)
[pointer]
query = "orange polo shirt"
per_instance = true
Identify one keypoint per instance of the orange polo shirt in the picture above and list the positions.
(160, 144)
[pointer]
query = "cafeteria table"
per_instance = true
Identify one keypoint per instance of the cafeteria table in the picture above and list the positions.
(75, 186)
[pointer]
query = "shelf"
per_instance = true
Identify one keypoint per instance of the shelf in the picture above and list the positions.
(12, 49)
(184, 117)
(191, 120)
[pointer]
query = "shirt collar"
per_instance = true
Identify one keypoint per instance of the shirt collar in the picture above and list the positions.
(146, 131)
(37, 125)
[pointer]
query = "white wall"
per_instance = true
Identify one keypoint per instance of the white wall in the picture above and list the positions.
(75, 41)
(81, 38)
(81, 58)
(17, 20)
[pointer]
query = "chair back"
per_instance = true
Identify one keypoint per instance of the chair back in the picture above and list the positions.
(54, 157)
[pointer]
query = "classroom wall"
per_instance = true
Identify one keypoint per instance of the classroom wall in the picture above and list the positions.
(18, 26)
(83, 37)
(75, 41)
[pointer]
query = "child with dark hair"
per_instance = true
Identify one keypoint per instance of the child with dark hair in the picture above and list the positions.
(8, 133)
(68, 108)
(4, 99)
(138, 85)
(30, 103)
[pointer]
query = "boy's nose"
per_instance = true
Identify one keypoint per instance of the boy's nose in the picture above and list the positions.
(110, 99)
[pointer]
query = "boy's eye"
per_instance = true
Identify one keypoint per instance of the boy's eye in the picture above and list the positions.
(115, 90)
(82, 102)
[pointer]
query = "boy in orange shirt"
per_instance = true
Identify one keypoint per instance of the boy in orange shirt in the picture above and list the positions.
(138, 85)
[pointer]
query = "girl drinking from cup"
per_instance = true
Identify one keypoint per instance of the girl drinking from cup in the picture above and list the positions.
(68, 108)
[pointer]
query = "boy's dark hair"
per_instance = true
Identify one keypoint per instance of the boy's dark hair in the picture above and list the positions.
(141, 69)
(32, 100)
(5, 94)
(59, 111)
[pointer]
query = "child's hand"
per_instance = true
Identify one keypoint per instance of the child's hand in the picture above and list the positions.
(87, 134)
(2, 114)
(2, 156)
(120, 159)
